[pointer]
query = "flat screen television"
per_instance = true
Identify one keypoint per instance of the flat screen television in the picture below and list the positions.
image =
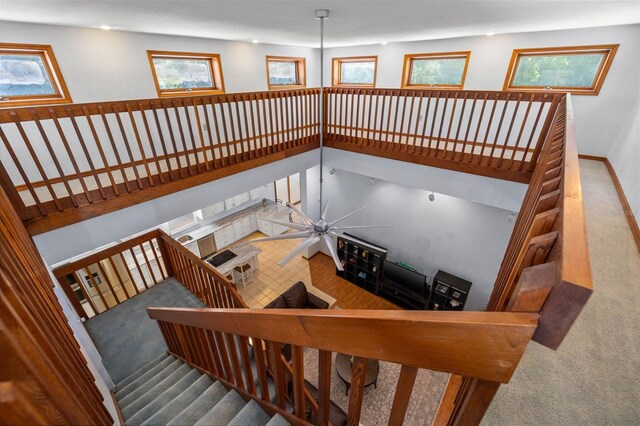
(403, 277)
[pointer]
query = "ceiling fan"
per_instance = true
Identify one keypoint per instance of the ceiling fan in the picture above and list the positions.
(320, 229)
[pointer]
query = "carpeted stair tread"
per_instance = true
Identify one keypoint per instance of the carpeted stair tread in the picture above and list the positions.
(224, 411)
(251, 414)
(166, 391)
(149, 384)
(278, 420)
(174, 411)
(200, 405)
(122, 384)
(140, 381)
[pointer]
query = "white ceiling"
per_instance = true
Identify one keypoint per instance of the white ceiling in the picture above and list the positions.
(352, 22)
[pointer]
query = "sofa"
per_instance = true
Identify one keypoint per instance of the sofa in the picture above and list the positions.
(297, 297)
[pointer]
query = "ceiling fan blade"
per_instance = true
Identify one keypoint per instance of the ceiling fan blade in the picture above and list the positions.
(329, 243)
(306, 219)
(289, 236)
(346, 216)
(294, 225)
(335, 228)
(323, 216)
(305, 244)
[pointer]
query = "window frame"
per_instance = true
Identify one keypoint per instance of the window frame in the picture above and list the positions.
(336, 73)
(407, 69)
(609, 51)
(301, 72)
(215, 64)
(45, 52)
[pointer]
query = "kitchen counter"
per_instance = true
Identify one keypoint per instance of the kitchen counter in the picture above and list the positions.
(270, 211)
(246, 253)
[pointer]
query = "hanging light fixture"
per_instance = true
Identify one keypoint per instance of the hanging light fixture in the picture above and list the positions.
(320, 229)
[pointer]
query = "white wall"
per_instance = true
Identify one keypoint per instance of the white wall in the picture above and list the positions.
(461, 237)
(100, 65)
(81, 237)
(599, 119)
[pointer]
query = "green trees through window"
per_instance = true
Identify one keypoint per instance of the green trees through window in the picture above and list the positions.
(357, 72)
(446, 70)
(573, 70)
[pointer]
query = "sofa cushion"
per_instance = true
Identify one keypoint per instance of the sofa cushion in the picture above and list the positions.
(296, 296)
(277, 303)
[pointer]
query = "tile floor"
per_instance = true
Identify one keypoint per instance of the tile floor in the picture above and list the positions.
(271, 279)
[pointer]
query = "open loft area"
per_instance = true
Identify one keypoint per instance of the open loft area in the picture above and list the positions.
(319, 212)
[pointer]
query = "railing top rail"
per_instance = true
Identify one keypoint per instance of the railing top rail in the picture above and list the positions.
(207, 268)
(9, 115)
(95, 257)
(536, 96)
(486, 345)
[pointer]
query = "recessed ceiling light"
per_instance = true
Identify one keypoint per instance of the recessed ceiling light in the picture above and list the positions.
(489, 34)
(384, 43)
(105, 27)
(255, 41)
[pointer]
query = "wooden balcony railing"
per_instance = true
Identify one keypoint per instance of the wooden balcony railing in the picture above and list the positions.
(218, 342)
(63, 164)
(102, 280)
(546, 266)
(496, 134)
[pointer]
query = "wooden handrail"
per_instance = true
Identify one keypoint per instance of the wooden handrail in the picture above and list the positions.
(493, 342)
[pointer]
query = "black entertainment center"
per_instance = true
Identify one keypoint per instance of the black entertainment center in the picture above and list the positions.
(365, 265)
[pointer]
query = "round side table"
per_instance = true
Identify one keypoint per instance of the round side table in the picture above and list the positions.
(344, 366)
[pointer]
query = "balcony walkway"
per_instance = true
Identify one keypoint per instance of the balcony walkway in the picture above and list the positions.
(125, 336)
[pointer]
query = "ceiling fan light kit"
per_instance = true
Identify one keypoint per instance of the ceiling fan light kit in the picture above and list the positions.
(320, 229)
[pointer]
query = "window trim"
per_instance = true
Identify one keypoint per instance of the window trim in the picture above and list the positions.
(609, 51)
(52, 69)
(336, 76)
(301, 71)
(407, 69)
(216, 73)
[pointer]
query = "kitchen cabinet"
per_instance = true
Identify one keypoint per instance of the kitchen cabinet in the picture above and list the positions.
(272, 229)
(255, 193)
(244, 197)
(219, 207)
(242, 228)
(224, 237)
(253, 222)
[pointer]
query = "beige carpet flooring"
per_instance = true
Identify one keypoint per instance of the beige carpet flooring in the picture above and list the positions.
(594, 377)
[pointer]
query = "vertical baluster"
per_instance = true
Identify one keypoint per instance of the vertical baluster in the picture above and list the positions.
(455, 141)
(152, 145)
(138, 141)
(223, 159)
(388, 132)
(533, 132)
(415, 130)
(54, 157)
(194, 146)
(283, 122)
(267, 139)
(255, 151)
(249, 134)
(433, 122)
(466, 134)
(95, 286)
(22, 173)
(108, 281)
(135, 260)
(407, 135)
(480, 117)
(259, 355)
(72, 158)
(213, 350)
(234, 142)
(425, 122)
(126, 267)
(275, 354)
(176, 152)
(243, 343)
(225, 151)
(146, 259)
(163, 143)
(235, 361)
(524, 123)
(404, 387)
(324, 387)
(486, 134)
(205, 113)
(203, 149)
(161, 266)
(495, 142)
(356, 114)
(120, 280)
(376, 133)
(356, 390)
(506, 139)
(241, 138)
(85, 293)
(444, 113)
(103, 156)
(297, 364)
(401, 123)
(228, 373)
(120, 165)
(183, 139)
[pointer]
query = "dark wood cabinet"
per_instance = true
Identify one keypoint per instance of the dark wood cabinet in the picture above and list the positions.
(448, 292)
(362, 262)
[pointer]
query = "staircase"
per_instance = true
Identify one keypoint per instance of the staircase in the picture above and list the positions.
(167, 391)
